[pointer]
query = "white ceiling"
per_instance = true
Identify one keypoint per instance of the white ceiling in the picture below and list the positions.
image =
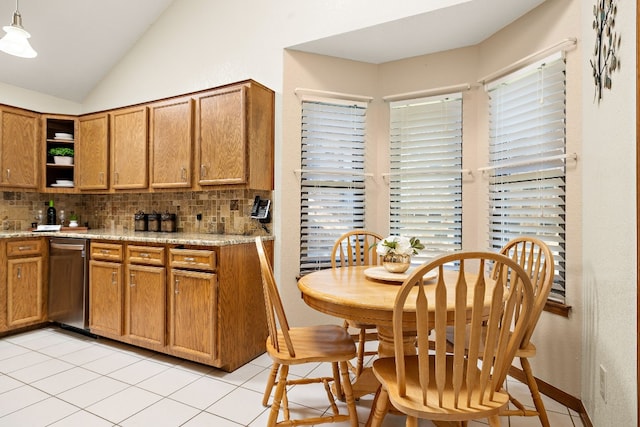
(464, 24)
(80, 41)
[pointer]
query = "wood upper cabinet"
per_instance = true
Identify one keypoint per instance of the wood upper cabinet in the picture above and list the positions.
(19, 148)
(92, 153)
(171, 143)
(235, 136)
(128, 153)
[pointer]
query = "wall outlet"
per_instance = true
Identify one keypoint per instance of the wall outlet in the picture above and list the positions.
(199, 217)
(603, 383)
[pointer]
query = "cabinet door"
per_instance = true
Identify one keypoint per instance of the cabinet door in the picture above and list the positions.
(24, 291)
(92, 153)
(145, 304)
(105, 297)
(170, 146)
(192, 314)
(19, 148)
(221, 128)
(129, 161)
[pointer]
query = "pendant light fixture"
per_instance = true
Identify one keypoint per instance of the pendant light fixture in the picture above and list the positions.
(16, 41)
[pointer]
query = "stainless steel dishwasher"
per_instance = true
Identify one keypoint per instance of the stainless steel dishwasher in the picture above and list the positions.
(68, 282)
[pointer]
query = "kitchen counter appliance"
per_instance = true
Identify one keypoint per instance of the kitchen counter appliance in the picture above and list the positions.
(68, 282)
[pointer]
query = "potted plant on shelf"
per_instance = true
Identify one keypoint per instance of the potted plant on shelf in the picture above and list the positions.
(62, 155)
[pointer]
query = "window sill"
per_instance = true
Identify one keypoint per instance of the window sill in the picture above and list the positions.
(558, 308)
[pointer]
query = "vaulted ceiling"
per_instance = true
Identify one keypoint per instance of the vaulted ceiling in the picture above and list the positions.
(80, 41)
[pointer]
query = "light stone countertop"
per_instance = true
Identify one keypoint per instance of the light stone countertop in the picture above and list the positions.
(200, 239)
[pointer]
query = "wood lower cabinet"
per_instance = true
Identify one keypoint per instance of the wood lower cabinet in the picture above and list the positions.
(145, 296)
(19, 148)
(203, 304)
(22, 283)
(105, 289)
(192, 316)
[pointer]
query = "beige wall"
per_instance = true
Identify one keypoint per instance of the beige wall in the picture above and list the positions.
(556, 337)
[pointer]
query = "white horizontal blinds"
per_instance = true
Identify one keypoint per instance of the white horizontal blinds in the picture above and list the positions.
(527, 185)
(332, 178)
(425, 176)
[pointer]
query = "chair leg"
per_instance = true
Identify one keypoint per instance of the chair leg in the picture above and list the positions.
(270, 383)
(379, 409)
(535, 393)
(494, 421)
(411, 422)
(337, 382)
(361, 342)
(277, 398)
(348, 395)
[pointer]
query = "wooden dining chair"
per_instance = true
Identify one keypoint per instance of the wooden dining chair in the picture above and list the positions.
(294, 346)
(358, 247)
(535, 257)
(466, 383)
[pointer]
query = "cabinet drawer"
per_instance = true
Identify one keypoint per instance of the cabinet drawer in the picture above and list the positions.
(106, 251)
(24, 247)
(148, 255)
(194, 259)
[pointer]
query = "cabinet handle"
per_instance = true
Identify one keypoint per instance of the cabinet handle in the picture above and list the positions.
(144, 255)
(19, 272)
(183, 174)
(115, 180)
(203, 171)
(113, 278)
(105, 251)
(189, 259)
(8, 174)
(177, 281)
(132, 278)
(101, 177)
(25, 248)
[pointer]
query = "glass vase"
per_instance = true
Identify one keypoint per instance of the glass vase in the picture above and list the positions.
(396, 263)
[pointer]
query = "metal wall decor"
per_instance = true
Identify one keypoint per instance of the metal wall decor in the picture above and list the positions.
(605, 55)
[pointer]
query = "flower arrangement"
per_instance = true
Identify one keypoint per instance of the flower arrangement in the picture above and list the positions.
(399, 245)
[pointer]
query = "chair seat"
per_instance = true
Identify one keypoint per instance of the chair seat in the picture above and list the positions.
(385, 371)
(321, 343)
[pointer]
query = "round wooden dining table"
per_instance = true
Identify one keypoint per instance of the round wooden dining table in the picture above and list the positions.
(366, 294)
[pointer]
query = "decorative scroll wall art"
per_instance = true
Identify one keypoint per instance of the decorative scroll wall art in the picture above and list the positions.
(605, 59)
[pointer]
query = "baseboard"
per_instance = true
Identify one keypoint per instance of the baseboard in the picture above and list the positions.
(558, 395)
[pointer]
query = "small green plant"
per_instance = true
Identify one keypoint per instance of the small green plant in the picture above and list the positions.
(61, 151)
(73, 217)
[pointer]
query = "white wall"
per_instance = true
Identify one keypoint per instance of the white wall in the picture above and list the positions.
(609, 231)
(197, 44)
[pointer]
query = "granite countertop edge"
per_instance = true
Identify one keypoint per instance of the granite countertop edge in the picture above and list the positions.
(200, 239)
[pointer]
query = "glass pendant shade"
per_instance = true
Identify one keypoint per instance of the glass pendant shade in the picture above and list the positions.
(16, 41)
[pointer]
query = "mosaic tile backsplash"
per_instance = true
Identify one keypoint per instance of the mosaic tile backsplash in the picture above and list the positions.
(223, 211)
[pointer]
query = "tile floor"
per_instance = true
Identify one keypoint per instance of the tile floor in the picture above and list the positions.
(54, 377)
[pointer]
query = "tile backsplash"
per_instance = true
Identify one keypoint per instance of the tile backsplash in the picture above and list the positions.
(223, 211)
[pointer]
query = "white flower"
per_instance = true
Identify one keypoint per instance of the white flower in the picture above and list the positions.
(398, 245)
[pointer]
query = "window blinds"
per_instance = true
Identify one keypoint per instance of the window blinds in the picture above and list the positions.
(425, 176)
(527, 141)
(332, 178)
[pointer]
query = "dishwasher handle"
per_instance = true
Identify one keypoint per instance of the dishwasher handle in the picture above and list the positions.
(67, 246)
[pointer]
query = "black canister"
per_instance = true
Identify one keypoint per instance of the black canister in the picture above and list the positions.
(140, 221)
(153, 222)
(168, 222)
